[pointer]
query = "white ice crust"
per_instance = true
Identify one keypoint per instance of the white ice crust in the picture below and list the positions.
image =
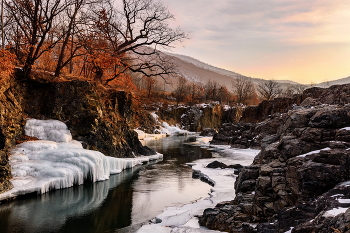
(56, 161)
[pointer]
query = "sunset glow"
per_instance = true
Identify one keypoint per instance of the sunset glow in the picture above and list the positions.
(304, 41)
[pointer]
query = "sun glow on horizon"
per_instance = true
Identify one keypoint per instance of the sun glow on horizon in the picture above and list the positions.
(302, 41)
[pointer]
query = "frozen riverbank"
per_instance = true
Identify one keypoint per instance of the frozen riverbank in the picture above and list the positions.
(56, 161)
(183, 219)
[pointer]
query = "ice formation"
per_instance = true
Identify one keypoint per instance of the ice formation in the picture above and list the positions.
(172, 130)
(56, 161)
(164, 130)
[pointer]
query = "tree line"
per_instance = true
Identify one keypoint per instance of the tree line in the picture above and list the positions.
(242, 91)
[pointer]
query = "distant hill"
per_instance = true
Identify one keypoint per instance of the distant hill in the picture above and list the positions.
(197, 71)
(334, 82)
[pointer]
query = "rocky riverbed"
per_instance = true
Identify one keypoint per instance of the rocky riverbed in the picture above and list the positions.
(298, 182)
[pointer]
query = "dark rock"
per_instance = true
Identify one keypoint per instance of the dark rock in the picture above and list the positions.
(235, 166)
(207, 132)
(282, 189)
(329, 118)
(343, 135)
(216, 164)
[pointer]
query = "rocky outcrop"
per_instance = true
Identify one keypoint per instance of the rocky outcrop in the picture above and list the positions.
(337, 94)
(296, 179)
(199, 117)
(102, 119)
(267, 108)
(11, 122)
(248, 135)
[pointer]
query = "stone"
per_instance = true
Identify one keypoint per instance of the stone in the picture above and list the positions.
(216, 164)
(208, 132)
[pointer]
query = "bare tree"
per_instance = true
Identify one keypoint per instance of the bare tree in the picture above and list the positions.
(150, 85)
(137, 29)
(36, 20)
(195, 93)
(269, 90)
(244, 90)
(211, 90)
(292, 89)
(71, 19)
(224, 95)
(2, 25)
(181, 90)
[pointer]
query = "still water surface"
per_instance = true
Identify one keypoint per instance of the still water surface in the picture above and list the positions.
(119, 204)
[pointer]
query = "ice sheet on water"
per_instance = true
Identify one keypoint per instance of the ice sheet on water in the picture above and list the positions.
(39, 166)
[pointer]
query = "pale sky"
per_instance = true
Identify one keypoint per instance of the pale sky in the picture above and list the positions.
(303, 41)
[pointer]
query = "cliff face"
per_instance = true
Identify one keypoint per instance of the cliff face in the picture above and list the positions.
(296, 179)
(11, 122)
(101, 119)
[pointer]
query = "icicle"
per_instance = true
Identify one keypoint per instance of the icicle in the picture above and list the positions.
(43, 165)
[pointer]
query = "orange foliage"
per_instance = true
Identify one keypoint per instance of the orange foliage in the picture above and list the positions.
(123, 81)
(46, 62)
(6, 64)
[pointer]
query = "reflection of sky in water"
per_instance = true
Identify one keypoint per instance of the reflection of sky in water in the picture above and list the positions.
(127, 198)
(175, 188)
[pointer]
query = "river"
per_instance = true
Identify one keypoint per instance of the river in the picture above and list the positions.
(120, 204)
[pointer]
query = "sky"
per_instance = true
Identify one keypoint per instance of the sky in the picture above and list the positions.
(304, 41)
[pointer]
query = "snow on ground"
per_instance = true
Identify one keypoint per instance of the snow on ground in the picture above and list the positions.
(335, 211)
(202, 141)
(172, 130)
(164, 130)
(182, 219)
(56, 161)
(314, 152)
(146, 136)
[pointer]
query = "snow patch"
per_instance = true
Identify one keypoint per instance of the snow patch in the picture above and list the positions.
(334, 212)
(344, 201)
(172, 130)
(314, 152)
(147, 137)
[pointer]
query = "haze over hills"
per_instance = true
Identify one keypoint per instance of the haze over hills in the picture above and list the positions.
(199, 72)
(334, 82)
(221, 71)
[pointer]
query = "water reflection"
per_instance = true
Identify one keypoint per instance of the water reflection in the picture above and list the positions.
(73, 209)
(115, 205)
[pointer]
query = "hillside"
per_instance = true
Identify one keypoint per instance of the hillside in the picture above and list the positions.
(334, 82)
(196, 71)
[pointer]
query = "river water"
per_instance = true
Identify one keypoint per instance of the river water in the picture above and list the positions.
(120, 204)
